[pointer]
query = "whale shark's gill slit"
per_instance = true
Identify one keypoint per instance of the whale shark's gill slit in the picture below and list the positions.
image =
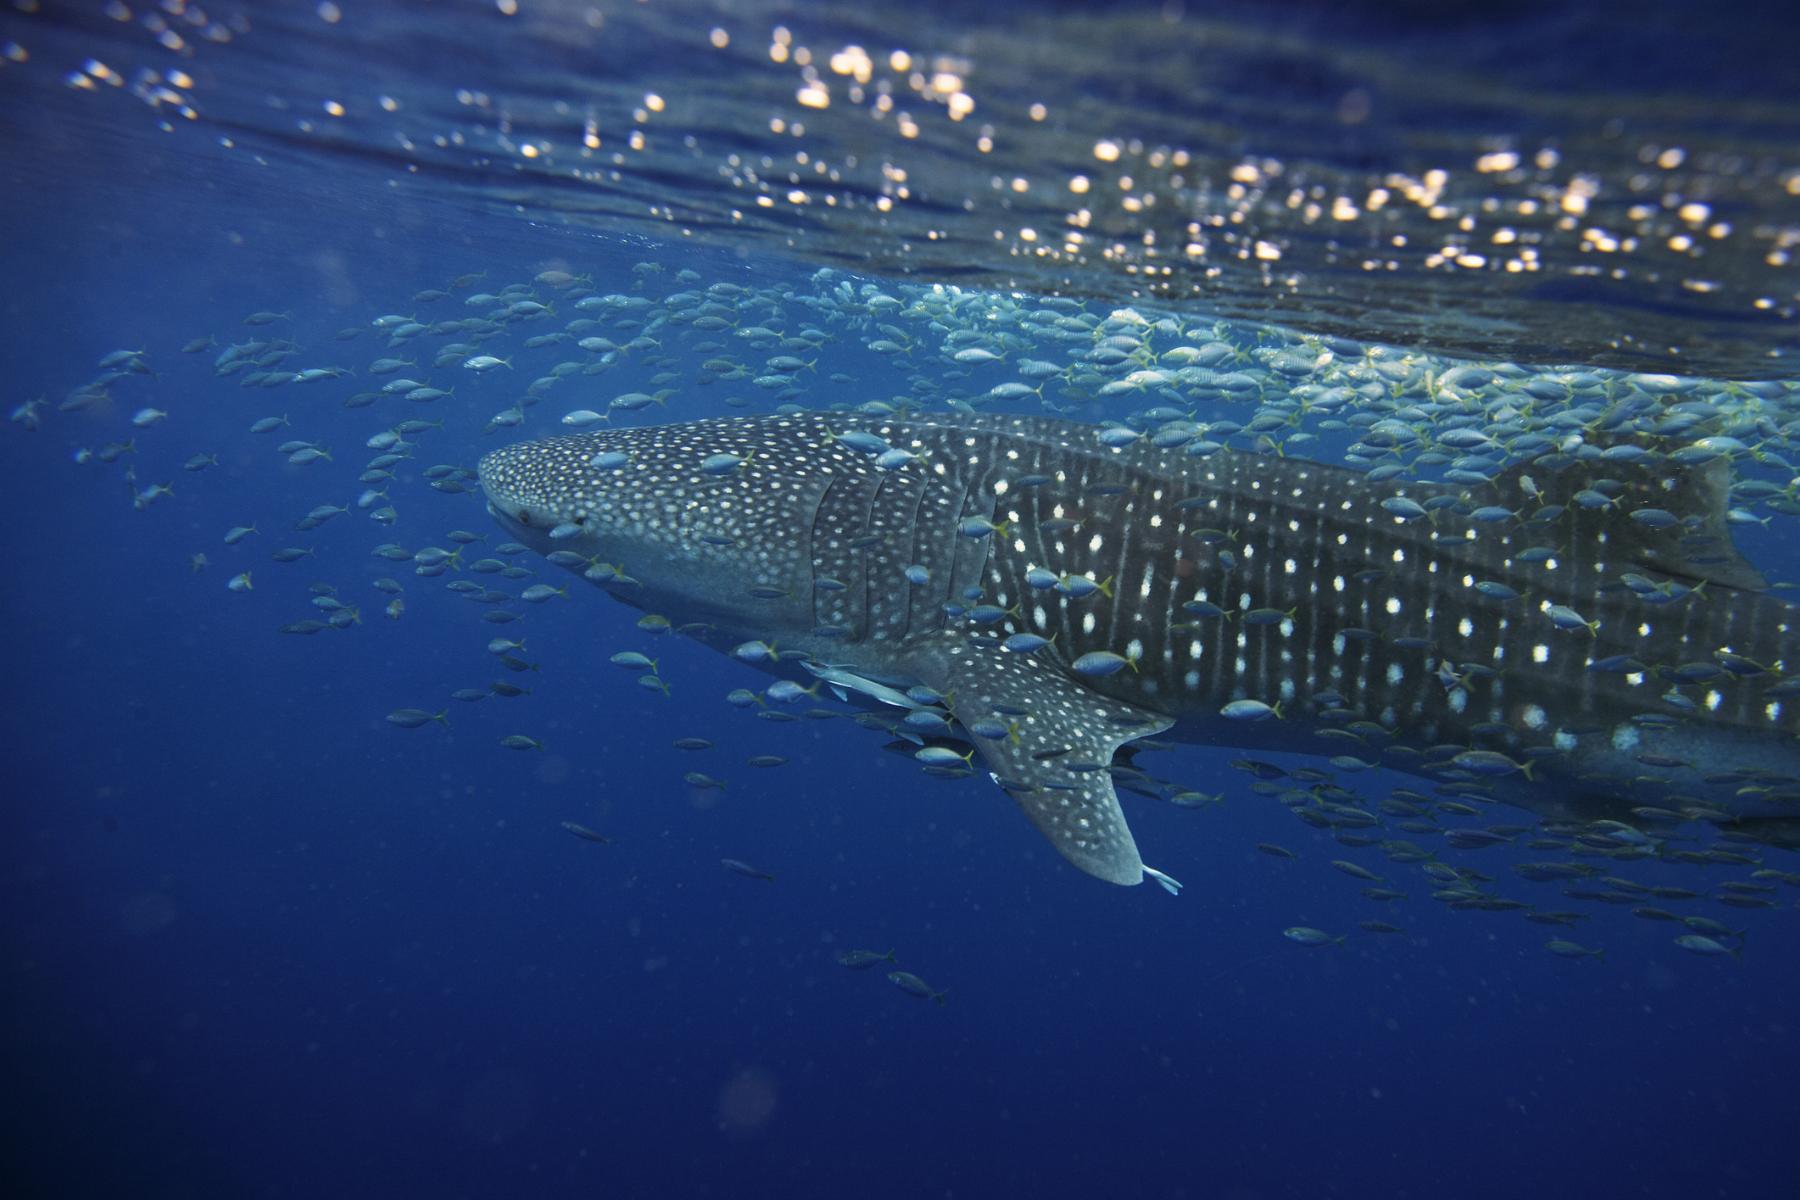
(975, 498)
(1332, 605)
(1275, 681)
(931, 527)
(881, 573)
(1160, 572)
(1576, 562)
(820, 533)
(1357, 654)
(871, 539)
(999, 547)
(1105, 550)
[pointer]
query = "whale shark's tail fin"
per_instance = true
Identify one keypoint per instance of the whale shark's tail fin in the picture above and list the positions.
(1056, 750)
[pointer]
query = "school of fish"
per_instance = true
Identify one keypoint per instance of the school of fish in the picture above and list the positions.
(1457, 453)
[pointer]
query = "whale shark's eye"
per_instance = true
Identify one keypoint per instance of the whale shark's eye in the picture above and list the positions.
(523, 517)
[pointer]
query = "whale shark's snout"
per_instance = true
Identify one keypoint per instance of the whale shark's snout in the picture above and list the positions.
(534, 487)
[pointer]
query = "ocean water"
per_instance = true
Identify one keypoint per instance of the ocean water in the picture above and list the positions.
(260, 941)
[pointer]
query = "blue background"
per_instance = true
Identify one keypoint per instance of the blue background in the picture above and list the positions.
(259, 942)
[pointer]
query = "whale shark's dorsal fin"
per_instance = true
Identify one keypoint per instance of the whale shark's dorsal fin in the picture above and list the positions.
(1701, 548)
(1697, 547)
(1059, 744)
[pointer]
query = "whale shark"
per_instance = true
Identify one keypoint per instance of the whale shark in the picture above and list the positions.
(1577, 635)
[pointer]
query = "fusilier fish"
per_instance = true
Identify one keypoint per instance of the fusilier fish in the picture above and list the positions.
(912, 985)
(862, 960)
(413, 718)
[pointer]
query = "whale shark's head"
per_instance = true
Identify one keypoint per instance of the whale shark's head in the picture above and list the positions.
(551, 495)
(697, 516)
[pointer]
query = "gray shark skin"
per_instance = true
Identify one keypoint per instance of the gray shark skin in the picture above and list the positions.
(1406, 640)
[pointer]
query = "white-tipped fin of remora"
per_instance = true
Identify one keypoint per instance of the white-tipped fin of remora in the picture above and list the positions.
(1169, 883)
(841, 678)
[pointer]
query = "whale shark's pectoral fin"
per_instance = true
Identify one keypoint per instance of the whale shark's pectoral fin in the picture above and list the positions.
(1054, 755)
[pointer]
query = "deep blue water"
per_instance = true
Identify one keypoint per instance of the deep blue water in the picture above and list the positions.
(259, 942)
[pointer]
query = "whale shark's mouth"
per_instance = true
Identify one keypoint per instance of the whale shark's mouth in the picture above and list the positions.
(506, 518)
(517, 519)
